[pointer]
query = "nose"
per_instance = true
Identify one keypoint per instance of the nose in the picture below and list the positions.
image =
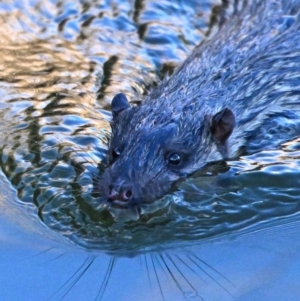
(123, 193)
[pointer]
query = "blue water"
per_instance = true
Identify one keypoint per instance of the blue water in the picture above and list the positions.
(231, 236)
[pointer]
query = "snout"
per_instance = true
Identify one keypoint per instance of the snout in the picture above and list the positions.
(120, 195)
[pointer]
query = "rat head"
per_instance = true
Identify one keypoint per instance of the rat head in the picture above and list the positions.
(152, 147)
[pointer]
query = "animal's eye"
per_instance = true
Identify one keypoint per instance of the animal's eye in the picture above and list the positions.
(116, 152)
(174, 159)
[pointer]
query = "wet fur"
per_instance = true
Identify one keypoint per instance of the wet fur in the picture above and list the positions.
(251, 66)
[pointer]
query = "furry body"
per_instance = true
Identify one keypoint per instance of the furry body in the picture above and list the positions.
(250, 67)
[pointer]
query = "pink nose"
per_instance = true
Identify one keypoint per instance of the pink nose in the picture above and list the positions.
(124, 195)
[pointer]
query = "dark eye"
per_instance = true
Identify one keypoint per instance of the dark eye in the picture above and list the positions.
(174, 159)
(116, 152)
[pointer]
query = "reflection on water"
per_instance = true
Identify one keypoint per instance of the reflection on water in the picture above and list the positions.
(61, 63)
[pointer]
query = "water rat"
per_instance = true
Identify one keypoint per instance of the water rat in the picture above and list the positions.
(238, 92)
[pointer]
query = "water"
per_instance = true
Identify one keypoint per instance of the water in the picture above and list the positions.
(61, 67)
(61, 64)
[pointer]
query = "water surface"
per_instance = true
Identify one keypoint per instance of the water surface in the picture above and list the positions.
(217, 237)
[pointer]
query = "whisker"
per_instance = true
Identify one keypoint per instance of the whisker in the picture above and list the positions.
(157, 278)
(76, 276)
(162, 266)
(211, 277)
(57, 257)
(190, 268)
(148, 271)
(107, 276)
(171, 274)
(212, 268)
(180, 272)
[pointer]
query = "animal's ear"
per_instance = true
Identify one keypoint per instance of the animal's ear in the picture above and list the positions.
(119, 104)
(222, 125)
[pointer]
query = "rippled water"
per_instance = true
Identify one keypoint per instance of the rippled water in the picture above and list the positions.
(61, 64)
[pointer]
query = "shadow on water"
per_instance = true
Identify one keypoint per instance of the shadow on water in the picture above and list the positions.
(61, 64)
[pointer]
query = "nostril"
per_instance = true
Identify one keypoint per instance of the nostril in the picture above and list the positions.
(123, 195)
(120, 191)
(126, 195)
(129, 193)
(113, 194)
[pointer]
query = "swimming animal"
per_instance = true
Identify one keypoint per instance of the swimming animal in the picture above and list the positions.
(237, 93)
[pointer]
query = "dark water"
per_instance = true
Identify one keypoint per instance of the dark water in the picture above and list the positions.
(61, 64)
